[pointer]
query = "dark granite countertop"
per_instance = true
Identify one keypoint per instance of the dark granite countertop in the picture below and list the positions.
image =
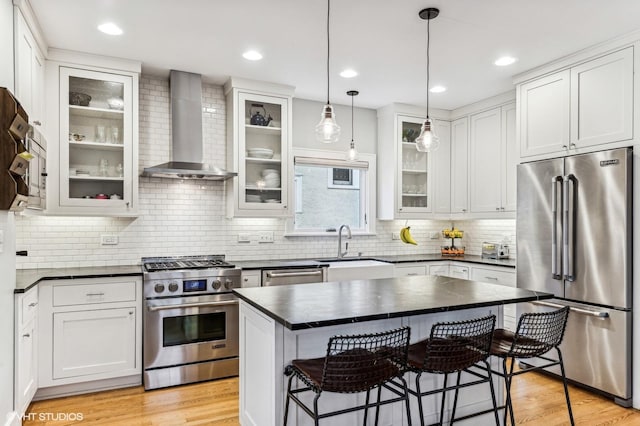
(27, 278)
(408, 258)
(304, 306)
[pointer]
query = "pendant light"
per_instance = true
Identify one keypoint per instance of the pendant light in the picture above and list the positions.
(428, 141)
(328, 131)
(352, 153)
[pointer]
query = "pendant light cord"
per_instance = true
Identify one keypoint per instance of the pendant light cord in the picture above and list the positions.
(328, 47)
(352, 96)
(428, 40)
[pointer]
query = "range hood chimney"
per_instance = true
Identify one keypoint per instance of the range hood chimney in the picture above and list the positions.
(186, 129)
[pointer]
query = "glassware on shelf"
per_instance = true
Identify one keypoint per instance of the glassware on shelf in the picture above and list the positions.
(100, 134)
(103, 167)
(114, 135)
(119, 169)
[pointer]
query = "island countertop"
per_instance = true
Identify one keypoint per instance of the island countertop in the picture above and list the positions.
(305, 306)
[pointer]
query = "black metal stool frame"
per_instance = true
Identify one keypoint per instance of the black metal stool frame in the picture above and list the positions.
(525, 345)
(396, 354)
(475, 340)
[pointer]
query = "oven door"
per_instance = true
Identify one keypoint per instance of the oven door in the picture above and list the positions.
(185, 330)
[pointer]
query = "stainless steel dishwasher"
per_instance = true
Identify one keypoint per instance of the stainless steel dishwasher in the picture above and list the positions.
(271, 277)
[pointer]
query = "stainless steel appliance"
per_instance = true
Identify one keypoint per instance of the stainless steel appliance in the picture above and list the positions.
(495, 250)
(271, 277)
(574, 234)
(190, 320)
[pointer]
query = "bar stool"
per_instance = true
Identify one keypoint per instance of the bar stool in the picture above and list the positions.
(353, 364)
(536, 334)
(454, 347)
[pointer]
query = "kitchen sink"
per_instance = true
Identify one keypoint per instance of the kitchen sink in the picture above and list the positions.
(342, 269)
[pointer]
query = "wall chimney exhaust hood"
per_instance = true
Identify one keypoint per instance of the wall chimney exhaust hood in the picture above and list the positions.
(186, 128)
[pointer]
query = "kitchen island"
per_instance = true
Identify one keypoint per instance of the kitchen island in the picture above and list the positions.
(279, 324)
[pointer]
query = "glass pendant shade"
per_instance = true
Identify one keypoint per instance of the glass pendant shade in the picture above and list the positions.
(427, 141)
(327, 131)
(352, 153)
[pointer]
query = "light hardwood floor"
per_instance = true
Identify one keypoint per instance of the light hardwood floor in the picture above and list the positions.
(538, 401)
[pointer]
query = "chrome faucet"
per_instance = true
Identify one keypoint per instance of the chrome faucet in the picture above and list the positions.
(342, 254)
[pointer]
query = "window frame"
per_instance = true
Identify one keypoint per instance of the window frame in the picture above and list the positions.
(367, 187)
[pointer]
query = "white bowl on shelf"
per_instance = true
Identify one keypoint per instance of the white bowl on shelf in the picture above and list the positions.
(260, 153)
(251, 198)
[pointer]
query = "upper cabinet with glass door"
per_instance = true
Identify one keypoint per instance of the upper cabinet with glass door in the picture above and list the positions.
(97, 149)
(260, 145)
(414, 180)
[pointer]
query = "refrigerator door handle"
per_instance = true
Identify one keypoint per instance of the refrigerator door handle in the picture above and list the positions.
(568, 227)
(597, 314)
(555, 270)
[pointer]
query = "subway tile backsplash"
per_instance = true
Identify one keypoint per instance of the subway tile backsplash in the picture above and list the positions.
(188, 217)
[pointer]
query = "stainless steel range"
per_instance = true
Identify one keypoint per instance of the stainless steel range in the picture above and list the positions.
(190, 320)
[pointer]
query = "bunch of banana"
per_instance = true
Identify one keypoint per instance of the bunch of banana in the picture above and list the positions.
(405, 236)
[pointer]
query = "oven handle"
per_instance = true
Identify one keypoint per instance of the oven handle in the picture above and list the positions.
(153, 308)
(292, 274)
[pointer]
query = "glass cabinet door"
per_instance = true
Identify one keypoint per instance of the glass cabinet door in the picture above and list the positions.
(95, 138)
(413, 178)
(263, 152)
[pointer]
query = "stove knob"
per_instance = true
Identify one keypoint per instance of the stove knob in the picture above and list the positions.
(228, 284)
(173, 287)
(217, 284)
(159, 288)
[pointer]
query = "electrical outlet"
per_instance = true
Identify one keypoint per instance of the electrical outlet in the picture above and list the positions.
(244, 238)
(108, 240)
(395, 236)
(434, 235)
(265, 237)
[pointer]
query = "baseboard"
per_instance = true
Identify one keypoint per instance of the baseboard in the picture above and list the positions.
(13, 419)
(87, 387)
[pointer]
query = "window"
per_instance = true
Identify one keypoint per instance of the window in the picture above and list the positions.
(330, 192)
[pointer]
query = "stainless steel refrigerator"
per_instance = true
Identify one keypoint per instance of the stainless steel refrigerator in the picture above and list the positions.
(574, 235)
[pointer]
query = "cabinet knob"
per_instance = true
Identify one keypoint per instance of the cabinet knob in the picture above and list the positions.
(284, 207)
(565, 147)
(498, 208)
(464, 210)
(32, 304)
(37, 123)
(130, 312)
(127, 204)
(572, 145)
(246, 279)
(26, 335)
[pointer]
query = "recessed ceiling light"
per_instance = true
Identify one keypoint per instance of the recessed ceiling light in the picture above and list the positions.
(110, 28)
(438, 89)
(348, 73)
(252, 55)
(504, 61)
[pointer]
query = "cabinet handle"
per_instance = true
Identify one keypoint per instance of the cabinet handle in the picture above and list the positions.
(498, 208)
(565, 147)
(130, 312)
(37, 123)
(127, 204)
(412, 273)
(32, 304)
(95, 294)
(284, 207)
(572, 145)
(26, 335)
(464, 210)
(502, 208)
(246, 279)
(491, 278)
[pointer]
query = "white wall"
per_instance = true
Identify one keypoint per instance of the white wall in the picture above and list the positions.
(7, 226)
(180, 218)
(6, 44)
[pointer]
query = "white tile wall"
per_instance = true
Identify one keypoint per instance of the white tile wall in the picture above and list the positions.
(188, 217)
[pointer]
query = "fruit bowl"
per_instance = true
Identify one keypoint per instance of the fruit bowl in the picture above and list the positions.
(451, 251)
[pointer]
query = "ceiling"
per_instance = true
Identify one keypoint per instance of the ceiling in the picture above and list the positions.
(385, 41)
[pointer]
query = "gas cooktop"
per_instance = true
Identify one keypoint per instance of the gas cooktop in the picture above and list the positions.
(172, 263)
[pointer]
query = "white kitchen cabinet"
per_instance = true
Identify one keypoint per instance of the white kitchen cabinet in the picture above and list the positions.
(26, 349)
(502, 276)
(259, 149)
(460, 166)
(493, 157)
(420, 182)
(409, 269)
(93, 165)
(588, 104)
(251, 278)
(459, 271)
(439, 269)
(29, 71)
(96, 330)
(544, 114)
(602, 100)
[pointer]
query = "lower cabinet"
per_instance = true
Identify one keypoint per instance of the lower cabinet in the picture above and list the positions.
(409, 269)
(501, 276)
(440, 269)
(252, 278)
(26, 349)
(459, 271)
(94, 334)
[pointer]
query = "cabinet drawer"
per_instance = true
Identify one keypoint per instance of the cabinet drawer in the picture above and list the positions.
(461, 272)
(492, 276)
(406, 271)
(441, 270)
(251, 278)
(84, 294)
(29, 306)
